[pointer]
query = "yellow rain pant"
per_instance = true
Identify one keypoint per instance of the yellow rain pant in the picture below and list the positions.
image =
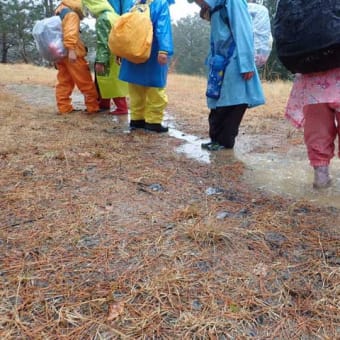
(69, 75)
(147, 103)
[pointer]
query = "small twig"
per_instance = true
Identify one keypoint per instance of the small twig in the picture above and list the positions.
(25, 222)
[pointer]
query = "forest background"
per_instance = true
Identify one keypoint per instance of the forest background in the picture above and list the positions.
(191, 38)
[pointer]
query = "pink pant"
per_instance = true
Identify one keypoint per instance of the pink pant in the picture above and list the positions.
(320, 130)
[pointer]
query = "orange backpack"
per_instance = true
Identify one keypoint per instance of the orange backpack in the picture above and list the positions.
(131, 35)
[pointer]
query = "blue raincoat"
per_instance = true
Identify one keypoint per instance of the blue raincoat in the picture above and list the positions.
(151, 73)
(121, 6)
(235, 90)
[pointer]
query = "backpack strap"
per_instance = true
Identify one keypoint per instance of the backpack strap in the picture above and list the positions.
(222, 8)
(63, 12)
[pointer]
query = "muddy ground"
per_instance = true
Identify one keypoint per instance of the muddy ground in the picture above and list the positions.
(111, 234)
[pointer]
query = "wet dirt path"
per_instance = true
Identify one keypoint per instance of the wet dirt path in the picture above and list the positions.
(287, 174)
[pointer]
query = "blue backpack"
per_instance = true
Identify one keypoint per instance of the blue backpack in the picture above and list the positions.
(307, 34)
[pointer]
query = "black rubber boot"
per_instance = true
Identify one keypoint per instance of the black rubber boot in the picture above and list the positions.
(137, 124)
(156, 127)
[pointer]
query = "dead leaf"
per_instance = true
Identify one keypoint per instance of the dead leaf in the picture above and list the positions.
(115, 309)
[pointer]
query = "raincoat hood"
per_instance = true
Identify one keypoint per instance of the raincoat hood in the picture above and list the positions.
(75, 5)
(96, 7)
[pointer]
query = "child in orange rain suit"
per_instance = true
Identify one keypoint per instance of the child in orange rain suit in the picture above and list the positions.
(73, 69)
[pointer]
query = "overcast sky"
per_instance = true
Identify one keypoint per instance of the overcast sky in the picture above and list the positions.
(182, 8)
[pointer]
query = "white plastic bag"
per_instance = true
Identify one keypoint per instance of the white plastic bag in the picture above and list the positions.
(48, 37)
(263, 39)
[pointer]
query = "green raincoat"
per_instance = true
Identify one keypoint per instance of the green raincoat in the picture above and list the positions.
(109, 84)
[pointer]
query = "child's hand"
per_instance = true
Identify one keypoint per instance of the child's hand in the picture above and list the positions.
(72, 56)
(247, 75)
(162, 58)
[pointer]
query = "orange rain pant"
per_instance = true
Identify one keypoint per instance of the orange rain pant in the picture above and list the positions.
(69, 75)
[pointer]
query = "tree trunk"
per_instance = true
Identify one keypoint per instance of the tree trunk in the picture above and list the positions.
(4, 49)
(49, 7)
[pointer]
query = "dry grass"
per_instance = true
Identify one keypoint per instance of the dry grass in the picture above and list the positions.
(109, 235)
(187, 100)
(25, 74)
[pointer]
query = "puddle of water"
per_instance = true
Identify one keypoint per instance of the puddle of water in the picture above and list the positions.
(78, 99)
(121, 121)
(287, 175)
(291, 177)
(192, 147)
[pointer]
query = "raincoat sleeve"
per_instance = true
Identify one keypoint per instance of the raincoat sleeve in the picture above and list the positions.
(162, 30)
(71, 28)
(242, 31)
(103, 28)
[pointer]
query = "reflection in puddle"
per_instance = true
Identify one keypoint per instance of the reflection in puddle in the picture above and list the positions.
(291, 177)
(289, 174)
(192, 147)
(121, 121)
(286, 174)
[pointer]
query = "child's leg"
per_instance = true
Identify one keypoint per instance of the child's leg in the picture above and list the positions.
(213, 126)
(319, 133)
(121, 106)
(157, 101)
(64, 88)
(337, 117)
(224, 124)
(82, 77)
(104, 103)
(137, 102)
